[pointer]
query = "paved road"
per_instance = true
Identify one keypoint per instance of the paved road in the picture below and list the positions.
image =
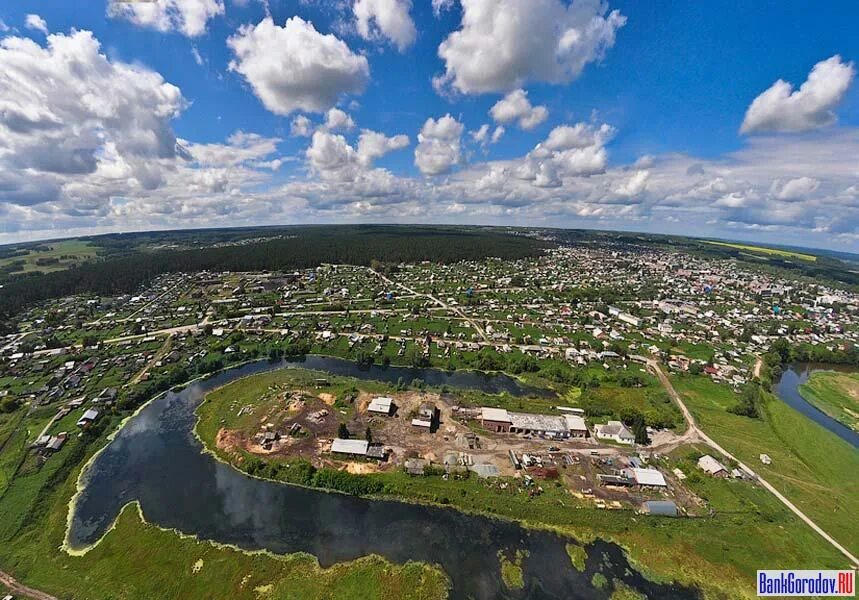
(692, 426)
(22, 590)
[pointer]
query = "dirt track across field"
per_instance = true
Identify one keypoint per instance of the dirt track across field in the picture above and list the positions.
(22, 590)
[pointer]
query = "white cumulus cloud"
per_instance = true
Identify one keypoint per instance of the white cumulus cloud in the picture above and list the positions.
(373, 145)
(337, 119)
(635, 185)
(438, 148)
(799, 188)
(188, 17)
(36, 23)
(385, 19)
(63, 106)
(503, 44)
(515, 106)
(301, 126)
(783, 109)
(295, 67)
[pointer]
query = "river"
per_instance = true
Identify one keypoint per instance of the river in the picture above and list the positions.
(157, 460)
(787, 388)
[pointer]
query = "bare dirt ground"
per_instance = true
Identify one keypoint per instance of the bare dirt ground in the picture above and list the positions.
(456, 439)
(22, 590)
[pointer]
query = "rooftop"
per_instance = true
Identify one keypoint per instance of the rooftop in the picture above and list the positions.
(494, 414)
(350, 446)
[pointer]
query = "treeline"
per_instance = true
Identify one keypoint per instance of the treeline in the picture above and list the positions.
(306, 248)
(782, 353)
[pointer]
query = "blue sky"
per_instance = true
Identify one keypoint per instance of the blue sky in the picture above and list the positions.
(637, 127)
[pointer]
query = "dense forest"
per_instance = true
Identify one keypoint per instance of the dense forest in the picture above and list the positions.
(301, 248)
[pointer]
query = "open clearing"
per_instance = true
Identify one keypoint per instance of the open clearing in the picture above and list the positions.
(763, 250)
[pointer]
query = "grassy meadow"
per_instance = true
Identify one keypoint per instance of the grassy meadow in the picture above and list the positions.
(811, 466)
(836, 394)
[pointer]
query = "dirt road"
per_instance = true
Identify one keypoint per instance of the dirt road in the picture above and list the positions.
(693, 427)
(22, 590)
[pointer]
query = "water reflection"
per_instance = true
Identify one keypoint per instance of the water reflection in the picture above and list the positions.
(787, 389)
(157, 460)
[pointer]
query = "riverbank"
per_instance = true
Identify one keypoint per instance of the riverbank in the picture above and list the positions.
(136, 559)
(718, 554)
(836, 394)
(175, 565)
(808, 464)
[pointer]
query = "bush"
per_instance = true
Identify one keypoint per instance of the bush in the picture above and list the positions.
(341, 481)
(9, 405)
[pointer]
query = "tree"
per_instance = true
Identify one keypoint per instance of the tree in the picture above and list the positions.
(343, 432)
(9, 405)
(748, 404)
(368, 435)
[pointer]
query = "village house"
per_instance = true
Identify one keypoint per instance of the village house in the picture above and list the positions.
(711, 466)
(615, 431)
(88, 418)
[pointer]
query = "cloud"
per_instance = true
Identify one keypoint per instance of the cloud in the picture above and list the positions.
(241, 148)
(795, 189)
(63, 104)
(197, 57)
(295, 67)
(580, 135)
(481, 136)
(783, 109)
(439, 6)
(188, 17)
(36, 23)
(515, 106)
(485, 135)
(438, 148)
(301, 126)
(337, 119)
(635, 185)
(373, 145)
(389, 19)
(504, 44)
(333, 158)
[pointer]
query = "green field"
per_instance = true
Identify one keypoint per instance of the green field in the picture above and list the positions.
(810, 465)
(138, 560)
(770, 251)
(836, 394)
(720, 553)
(49, 256)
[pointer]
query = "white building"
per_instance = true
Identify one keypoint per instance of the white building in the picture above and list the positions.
(615, 431)
(381, 405)
(353, 447)
(648, 477)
